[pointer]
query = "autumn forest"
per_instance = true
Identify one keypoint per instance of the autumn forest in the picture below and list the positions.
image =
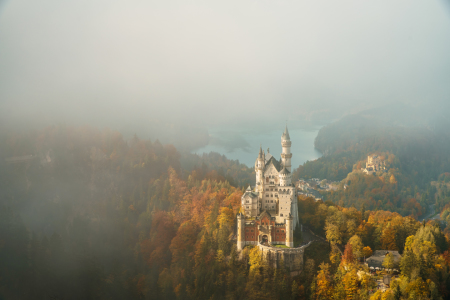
(87, 214)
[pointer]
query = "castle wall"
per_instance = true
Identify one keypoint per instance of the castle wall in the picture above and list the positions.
(289, 258)
(251, 234)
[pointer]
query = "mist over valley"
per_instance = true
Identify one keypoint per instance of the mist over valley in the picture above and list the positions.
(224, 150)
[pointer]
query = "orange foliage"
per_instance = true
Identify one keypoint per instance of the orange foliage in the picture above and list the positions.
(348, 257)
(182, 246)
(155, 249)
(388, 239)
(381, 216)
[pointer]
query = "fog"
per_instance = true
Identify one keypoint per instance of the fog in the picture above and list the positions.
(141, 66)
(97, 212)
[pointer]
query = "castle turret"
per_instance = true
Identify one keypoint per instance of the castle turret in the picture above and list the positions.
(289, 232)
(286, 154)
(240, 232)
(259, 167)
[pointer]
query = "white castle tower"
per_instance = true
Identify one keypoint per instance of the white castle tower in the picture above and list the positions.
(286, 154)
(259, 170)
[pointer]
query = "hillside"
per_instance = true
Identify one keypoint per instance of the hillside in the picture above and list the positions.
(418, 143)
(92, 216)
(85, 214)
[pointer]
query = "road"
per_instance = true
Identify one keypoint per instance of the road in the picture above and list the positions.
(431, 213)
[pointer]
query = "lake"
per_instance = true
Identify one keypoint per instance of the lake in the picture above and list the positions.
(244, 147)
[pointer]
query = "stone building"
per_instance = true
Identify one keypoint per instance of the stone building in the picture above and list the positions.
(269, 212)
(374, 164)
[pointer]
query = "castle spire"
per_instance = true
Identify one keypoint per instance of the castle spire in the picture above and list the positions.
(260, 151)
(286, 133)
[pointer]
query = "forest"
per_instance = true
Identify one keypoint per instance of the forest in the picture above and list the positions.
(416, 148)
(86, 214)
(422, 272)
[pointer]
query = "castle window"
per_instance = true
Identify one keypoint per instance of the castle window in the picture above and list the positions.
(276, 195)
(281, 215)
(271, 201)
(271, 195)
(267, 195)
(278, 230)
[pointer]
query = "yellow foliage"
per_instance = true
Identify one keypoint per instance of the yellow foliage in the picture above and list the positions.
(255, 261)
(409, 242)
(367, 251)
(417, 288)
(387, 295)
(226, 217)
(379, 295)
(335, 255)
(323, 284)
(376, 296)
(365, 280)
(351, 283)
(357, 245)
(333, 233)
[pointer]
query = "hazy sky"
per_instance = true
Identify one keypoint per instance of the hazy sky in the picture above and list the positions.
(209, 62)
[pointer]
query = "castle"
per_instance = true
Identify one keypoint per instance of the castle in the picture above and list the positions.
(269, 212)
(374, 164)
